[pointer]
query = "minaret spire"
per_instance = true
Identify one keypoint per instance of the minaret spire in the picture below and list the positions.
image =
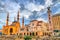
(23, 22)
(50, 19)
(18, 16)
(7, 19)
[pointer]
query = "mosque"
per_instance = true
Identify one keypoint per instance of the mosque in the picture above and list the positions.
(37, 28)
(13, 28)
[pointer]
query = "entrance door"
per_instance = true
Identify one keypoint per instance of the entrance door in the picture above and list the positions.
(11, 31)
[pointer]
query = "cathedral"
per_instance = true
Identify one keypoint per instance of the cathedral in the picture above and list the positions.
(12, 29)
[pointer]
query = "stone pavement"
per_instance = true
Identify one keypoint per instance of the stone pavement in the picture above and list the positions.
(17, 38)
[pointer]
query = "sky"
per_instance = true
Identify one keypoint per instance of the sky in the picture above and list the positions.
(29, 9)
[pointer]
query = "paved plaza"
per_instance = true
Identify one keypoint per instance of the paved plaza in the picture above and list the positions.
(18, 38)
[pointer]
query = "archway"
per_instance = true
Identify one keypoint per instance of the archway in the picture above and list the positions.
(30, 33)
(33, 33)
(36, 33)
(11, 31)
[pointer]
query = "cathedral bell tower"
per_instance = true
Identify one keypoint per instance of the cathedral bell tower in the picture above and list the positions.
(50, 19)
(7, 19)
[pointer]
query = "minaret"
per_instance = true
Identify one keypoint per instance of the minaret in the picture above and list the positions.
(23, 22)
(18, 28)
(50, 19)
(18, 16)
(7, 19)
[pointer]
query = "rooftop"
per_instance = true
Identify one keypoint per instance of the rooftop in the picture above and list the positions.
(56, 15)
(33, 20)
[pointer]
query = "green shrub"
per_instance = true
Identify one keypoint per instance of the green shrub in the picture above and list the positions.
(27, 37)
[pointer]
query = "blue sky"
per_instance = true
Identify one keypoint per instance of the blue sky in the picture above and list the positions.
(30, 9)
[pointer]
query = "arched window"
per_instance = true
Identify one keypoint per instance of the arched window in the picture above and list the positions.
(30, 33)
(24, 33)
(33, 33)
(20, 33)
(45, 34)
(36, 33)
(27, 33)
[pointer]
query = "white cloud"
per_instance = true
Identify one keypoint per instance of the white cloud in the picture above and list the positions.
(42, 19)
(10, 7)
(57, 4)
(13, 7)
(25, 13)
(57, 12)
(3, 22)
(48, 3)
(58, 0)
(32, 7)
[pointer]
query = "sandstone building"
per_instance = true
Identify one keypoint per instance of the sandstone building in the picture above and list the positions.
(56, 21)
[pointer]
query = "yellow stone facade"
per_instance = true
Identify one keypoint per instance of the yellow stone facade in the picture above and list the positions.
(56, 21)
(13, 28)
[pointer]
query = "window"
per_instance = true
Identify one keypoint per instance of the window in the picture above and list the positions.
(49, 18)
(49, 21)
(33, 24)
(33, 33)
(24, 33)
(22, 29)
(30, 34)
(36, 33)
(27, 33)
(27, 30)
(20, 33)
